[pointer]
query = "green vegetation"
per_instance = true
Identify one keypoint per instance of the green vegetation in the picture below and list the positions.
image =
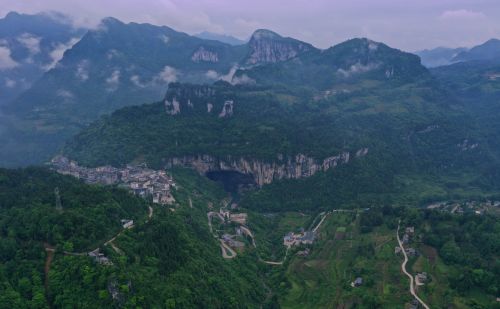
(88, 215)
(170, 261)
(463, 274)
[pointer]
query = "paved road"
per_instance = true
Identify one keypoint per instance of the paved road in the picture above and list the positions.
(247, 231)
(225, 247)
(403, 268)
(320, 222)
(276, 263)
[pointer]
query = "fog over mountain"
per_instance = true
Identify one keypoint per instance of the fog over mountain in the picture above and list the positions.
(236, 154)
(406, 25)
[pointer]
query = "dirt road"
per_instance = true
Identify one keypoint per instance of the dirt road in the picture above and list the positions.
(403, 268)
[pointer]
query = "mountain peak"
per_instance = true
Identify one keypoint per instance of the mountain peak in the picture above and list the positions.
(260, 34)
(224, 38)
(489, 50)
(12, 14)
(110, 21)
(267, 46)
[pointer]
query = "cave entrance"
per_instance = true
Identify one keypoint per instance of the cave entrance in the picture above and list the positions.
(234, 182)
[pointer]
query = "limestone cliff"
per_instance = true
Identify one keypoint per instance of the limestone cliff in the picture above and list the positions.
(269, 47)
(204, 55)
(263, 172)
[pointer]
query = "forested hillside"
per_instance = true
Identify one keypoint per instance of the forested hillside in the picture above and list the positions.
(169, 260)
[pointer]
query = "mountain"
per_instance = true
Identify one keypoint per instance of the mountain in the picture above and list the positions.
(269, 47)
(112, 66)
(439, 56)
(490, 50)
(344, 63)
(29, 46)
(121, 64)
(117, 65)
(359, 117)
(224, 38)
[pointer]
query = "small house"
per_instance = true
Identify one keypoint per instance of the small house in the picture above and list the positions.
(357, 282)
(308, 238)
(421, 278)
(240, 218)
(127, 223)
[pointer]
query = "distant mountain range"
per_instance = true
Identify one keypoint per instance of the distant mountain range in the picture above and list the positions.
(52, 91)
(30, 45)
(439, 56)
(231, 40)
(488, 51)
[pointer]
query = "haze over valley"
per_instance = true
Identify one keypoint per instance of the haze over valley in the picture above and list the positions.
(184, 156)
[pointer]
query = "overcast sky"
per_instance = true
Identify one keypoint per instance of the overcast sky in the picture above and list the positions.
(405, 24)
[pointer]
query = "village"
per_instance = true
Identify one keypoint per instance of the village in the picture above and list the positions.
(144, 182)
(475, 207)
(232, 230)
(421, 278)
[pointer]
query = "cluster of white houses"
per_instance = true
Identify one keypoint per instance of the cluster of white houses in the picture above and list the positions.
(293, 239)
(409, 232)
(142, 181)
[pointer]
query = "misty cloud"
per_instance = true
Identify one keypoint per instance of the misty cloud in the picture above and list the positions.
(136, 80)
(10, 83)
(113, 81)
(6, 61)
(408, 25)
(462, 14)
(242, 80)
(82, 72)
(168, 75)
(58, 52)
(211, 74)
(65, 94)
(31, 42)
(112, 53)
(358, 68)
(164, 38)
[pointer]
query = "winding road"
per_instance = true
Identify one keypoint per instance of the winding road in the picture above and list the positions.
(225, 247)
(403, 268)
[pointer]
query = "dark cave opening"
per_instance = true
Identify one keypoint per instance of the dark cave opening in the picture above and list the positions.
(234, 182)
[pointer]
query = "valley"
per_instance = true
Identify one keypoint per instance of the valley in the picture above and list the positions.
(146, 167)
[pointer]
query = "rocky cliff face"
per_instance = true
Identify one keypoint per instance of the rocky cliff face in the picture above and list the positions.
(269, 47)
(183, 99)
(204, 55)
(263, 173)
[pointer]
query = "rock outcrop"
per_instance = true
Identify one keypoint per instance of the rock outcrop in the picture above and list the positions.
(296, 167)
(227, 109)
(269, 47)
(204, 55)
(181, 99)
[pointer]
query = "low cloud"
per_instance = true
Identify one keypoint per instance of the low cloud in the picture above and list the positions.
(65, 94)
(112, 53)
(10, 83)
(242, 80)
(211, 74)
(82, 70)
(31, 42)
(136, 80)
(461, 14)
(6, 61)
(168, 75)
(113, 81)
(357, 68)
(164, 38)
(58, 52)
